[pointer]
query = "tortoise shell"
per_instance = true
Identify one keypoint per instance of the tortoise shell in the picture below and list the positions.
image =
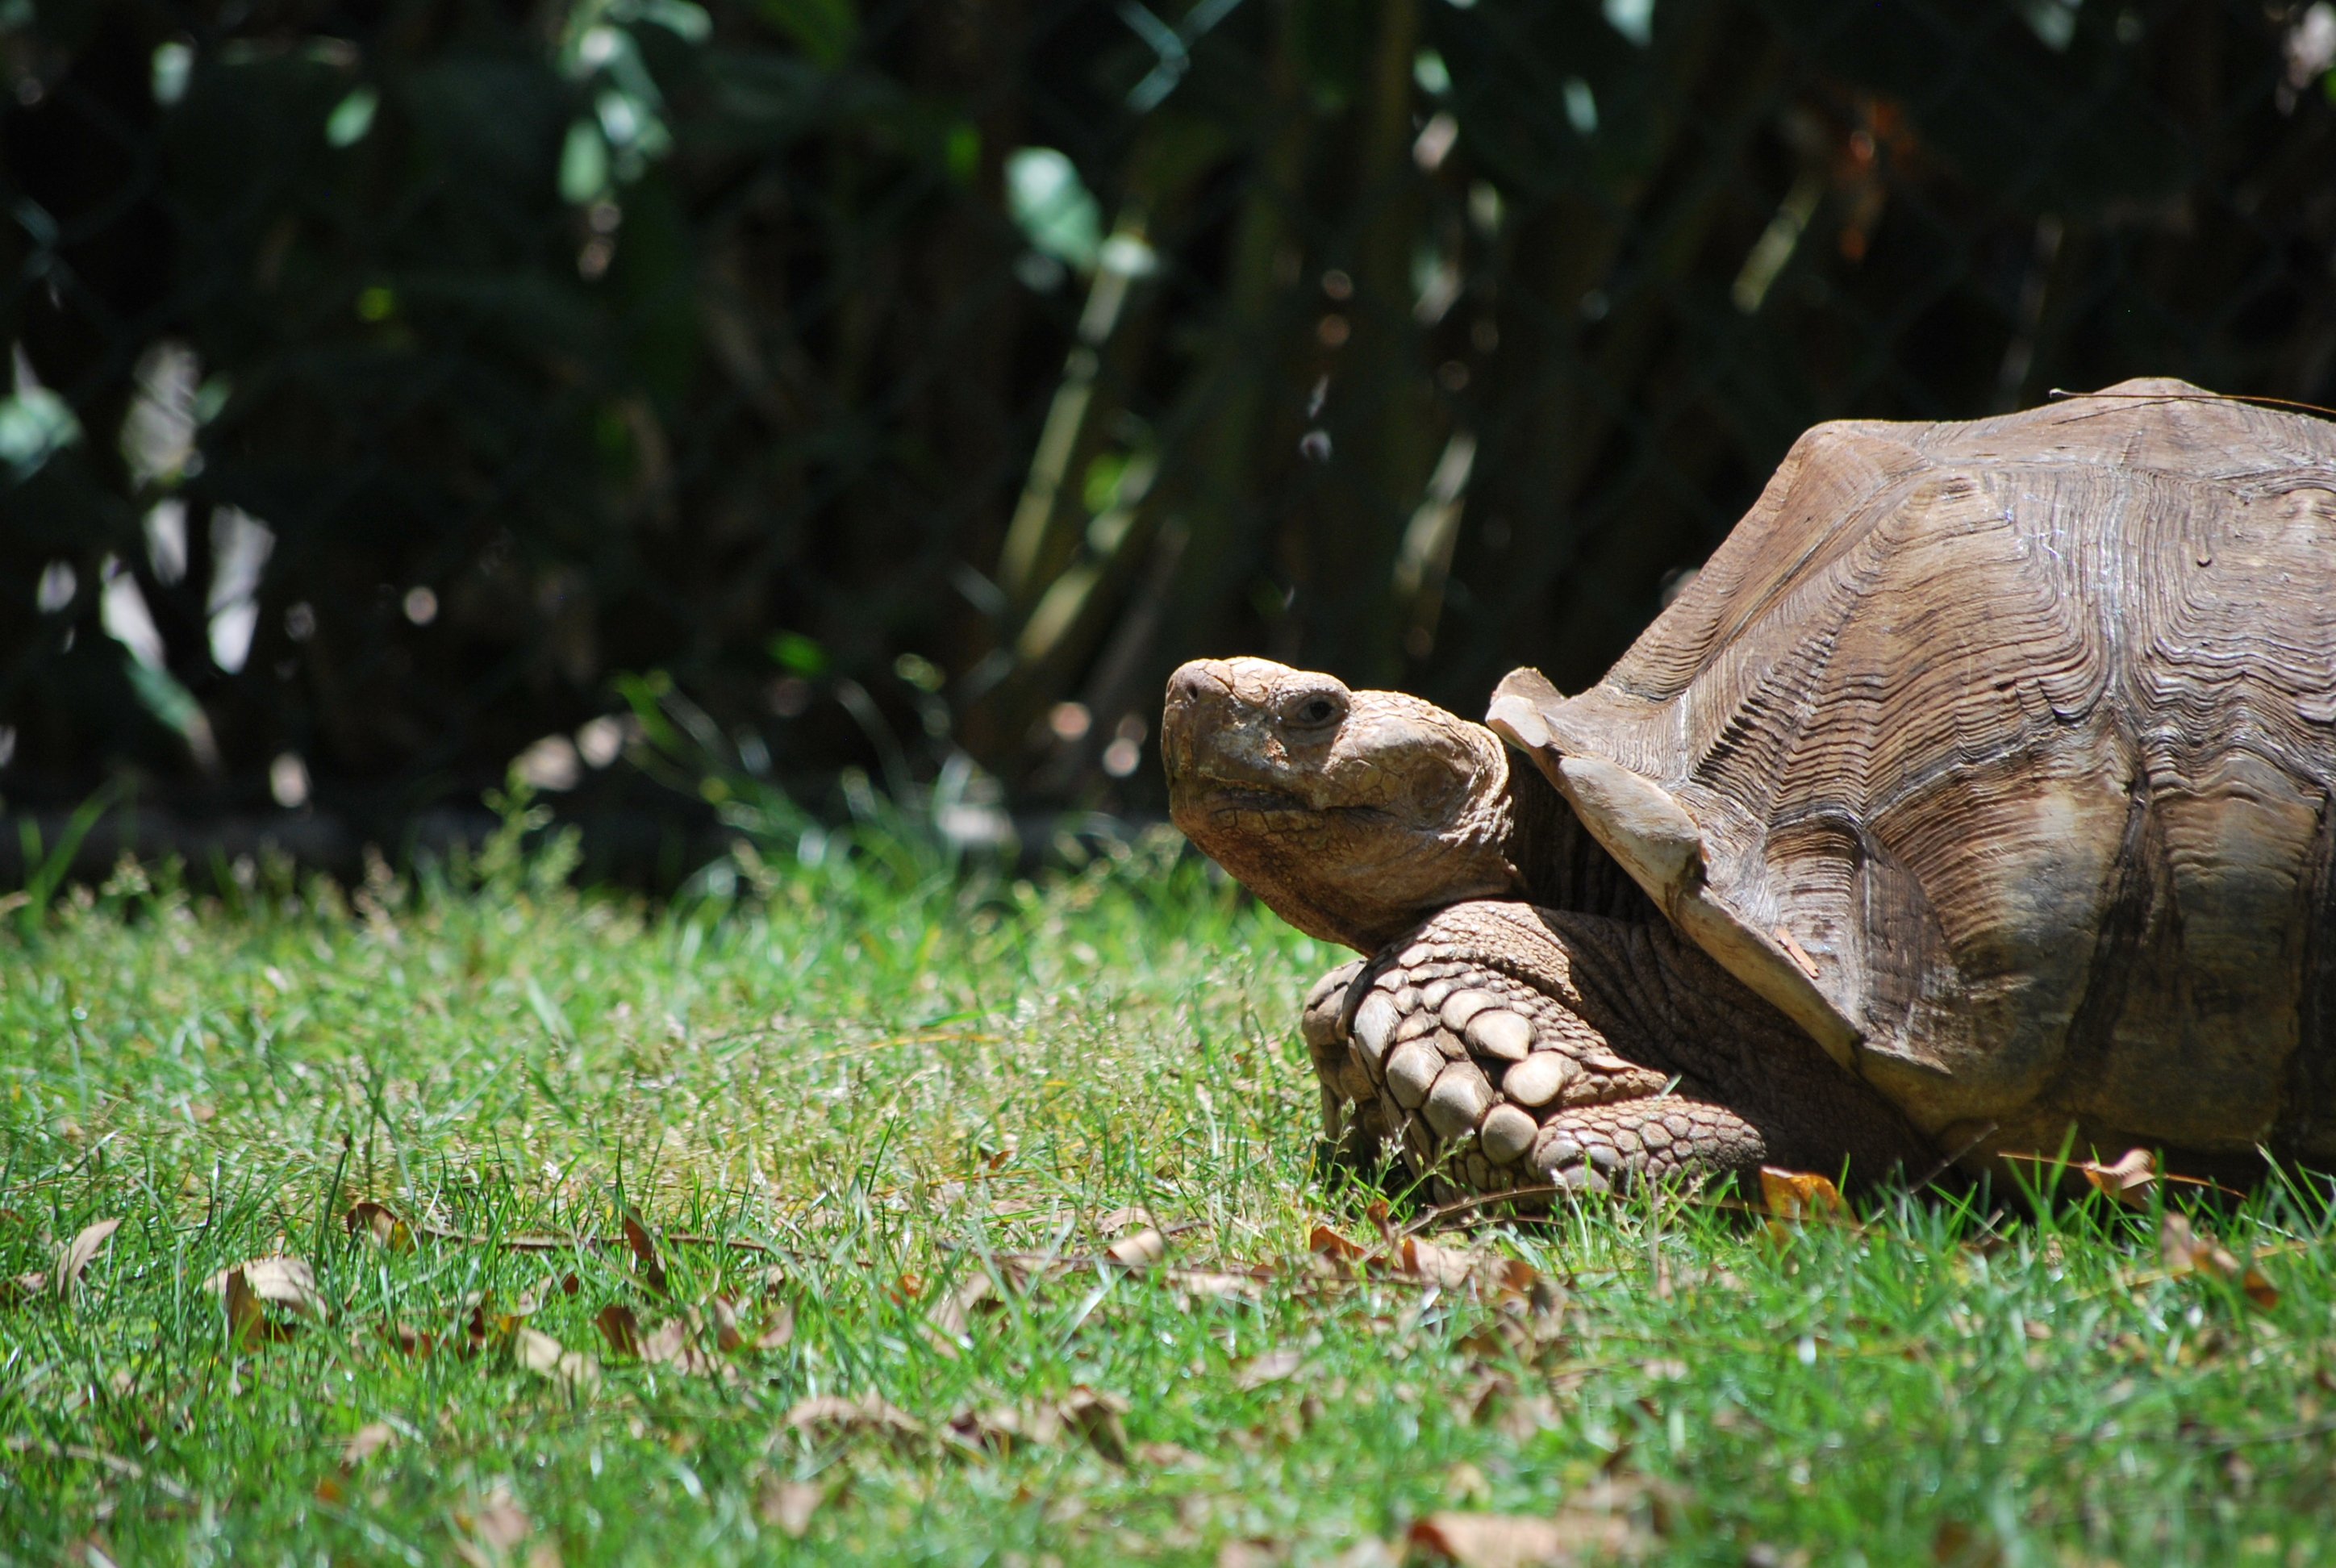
(2000, 755)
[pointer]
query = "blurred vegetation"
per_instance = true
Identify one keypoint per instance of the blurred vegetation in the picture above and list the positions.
(402, 386)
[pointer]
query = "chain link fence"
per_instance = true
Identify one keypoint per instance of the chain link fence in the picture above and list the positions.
(399, 389)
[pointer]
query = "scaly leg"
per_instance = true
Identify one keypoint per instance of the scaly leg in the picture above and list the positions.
(1501, 1045)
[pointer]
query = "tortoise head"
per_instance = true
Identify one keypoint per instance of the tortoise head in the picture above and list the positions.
(1354, 814)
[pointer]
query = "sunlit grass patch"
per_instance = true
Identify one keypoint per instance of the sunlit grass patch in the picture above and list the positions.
(888, 1147)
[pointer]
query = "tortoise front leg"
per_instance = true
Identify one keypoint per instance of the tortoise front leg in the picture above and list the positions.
(1352, 1127)
(1506, 1046)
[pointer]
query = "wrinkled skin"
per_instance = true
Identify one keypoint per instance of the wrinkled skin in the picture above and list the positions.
(1354, 814)
(1598, 1050)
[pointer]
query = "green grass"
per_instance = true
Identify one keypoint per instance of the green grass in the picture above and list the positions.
(896, 1085)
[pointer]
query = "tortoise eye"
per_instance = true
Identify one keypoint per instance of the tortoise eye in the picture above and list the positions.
(1320, 710)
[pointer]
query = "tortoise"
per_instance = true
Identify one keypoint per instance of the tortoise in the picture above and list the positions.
(1978, 797)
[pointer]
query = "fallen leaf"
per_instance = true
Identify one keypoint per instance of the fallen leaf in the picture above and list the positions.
(539, 1353)
(1165, 1455)
(1955, 1545)
(278, 1281)
(953, 1313)
(1450, 1267)
(1326, 1242)
(676, 1343)
(1202, 1283)
(778, 1330)
(1274, 1366)
(831, 1418)
(494, 1527)
(77, 1255)
(1120, 1220)
(1140, 1251)
(787, 1505)
(645, 1256)
(1084, 1413)
(2186, 1251)
(1095, 1416)
(1466, 1483)
(2129, 1180)
(410, 1341)
(1798, 1194)
(381, 1223)
(1252, 1553)
(1524, 1540)
(723, 1311)
(621, 1329)
(248, 1288)
(366, 1442)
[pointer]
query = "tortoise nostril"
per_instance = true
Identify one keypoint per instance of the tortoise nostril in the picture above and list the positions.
(1192, 682)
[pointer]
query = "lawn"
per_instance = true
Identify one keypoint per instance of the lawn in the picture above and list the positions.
(886, 1215)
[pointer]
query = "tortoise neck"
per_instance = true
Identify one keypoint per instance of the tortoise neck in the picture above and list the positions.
(1561, 865)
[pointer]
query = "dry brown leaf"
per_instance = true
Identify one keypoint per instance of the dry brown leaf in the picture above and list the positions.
(1955, 1545)
(77, 1255)
(832, 1418)
(1165, 1455)
(722, 1310)
(678, 1343)
(778, 1331)
(2129, 1180)
(1798, 1194)
(2186, 1251)
(621, 1329)
(541, 1354)
(1119, 1220)
(644, 1255)
(366, 1442)
(25, 1287)
(495, 1527)
(409, 1342)
(1449, 1267)
(1274, 1366)
(1326, 1242)
(249, 1288)
(1095, 1416)
(278, 1281)
(1084, 1412)
(787, 1505)
(1140, 1251)
(1524, 1540)
(953, 1313)
(1202, 1283)
(381, 1223)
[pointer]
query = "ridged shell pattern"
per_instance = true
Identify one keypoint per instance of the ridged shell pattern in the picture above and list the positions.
(2023, 731)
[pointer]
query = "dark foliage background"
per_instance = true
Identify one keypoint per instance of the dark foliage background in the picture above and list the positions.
(888, 383)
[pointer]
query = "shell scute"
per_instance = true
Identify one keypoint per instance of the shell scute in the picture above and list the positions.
(2022, 733)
